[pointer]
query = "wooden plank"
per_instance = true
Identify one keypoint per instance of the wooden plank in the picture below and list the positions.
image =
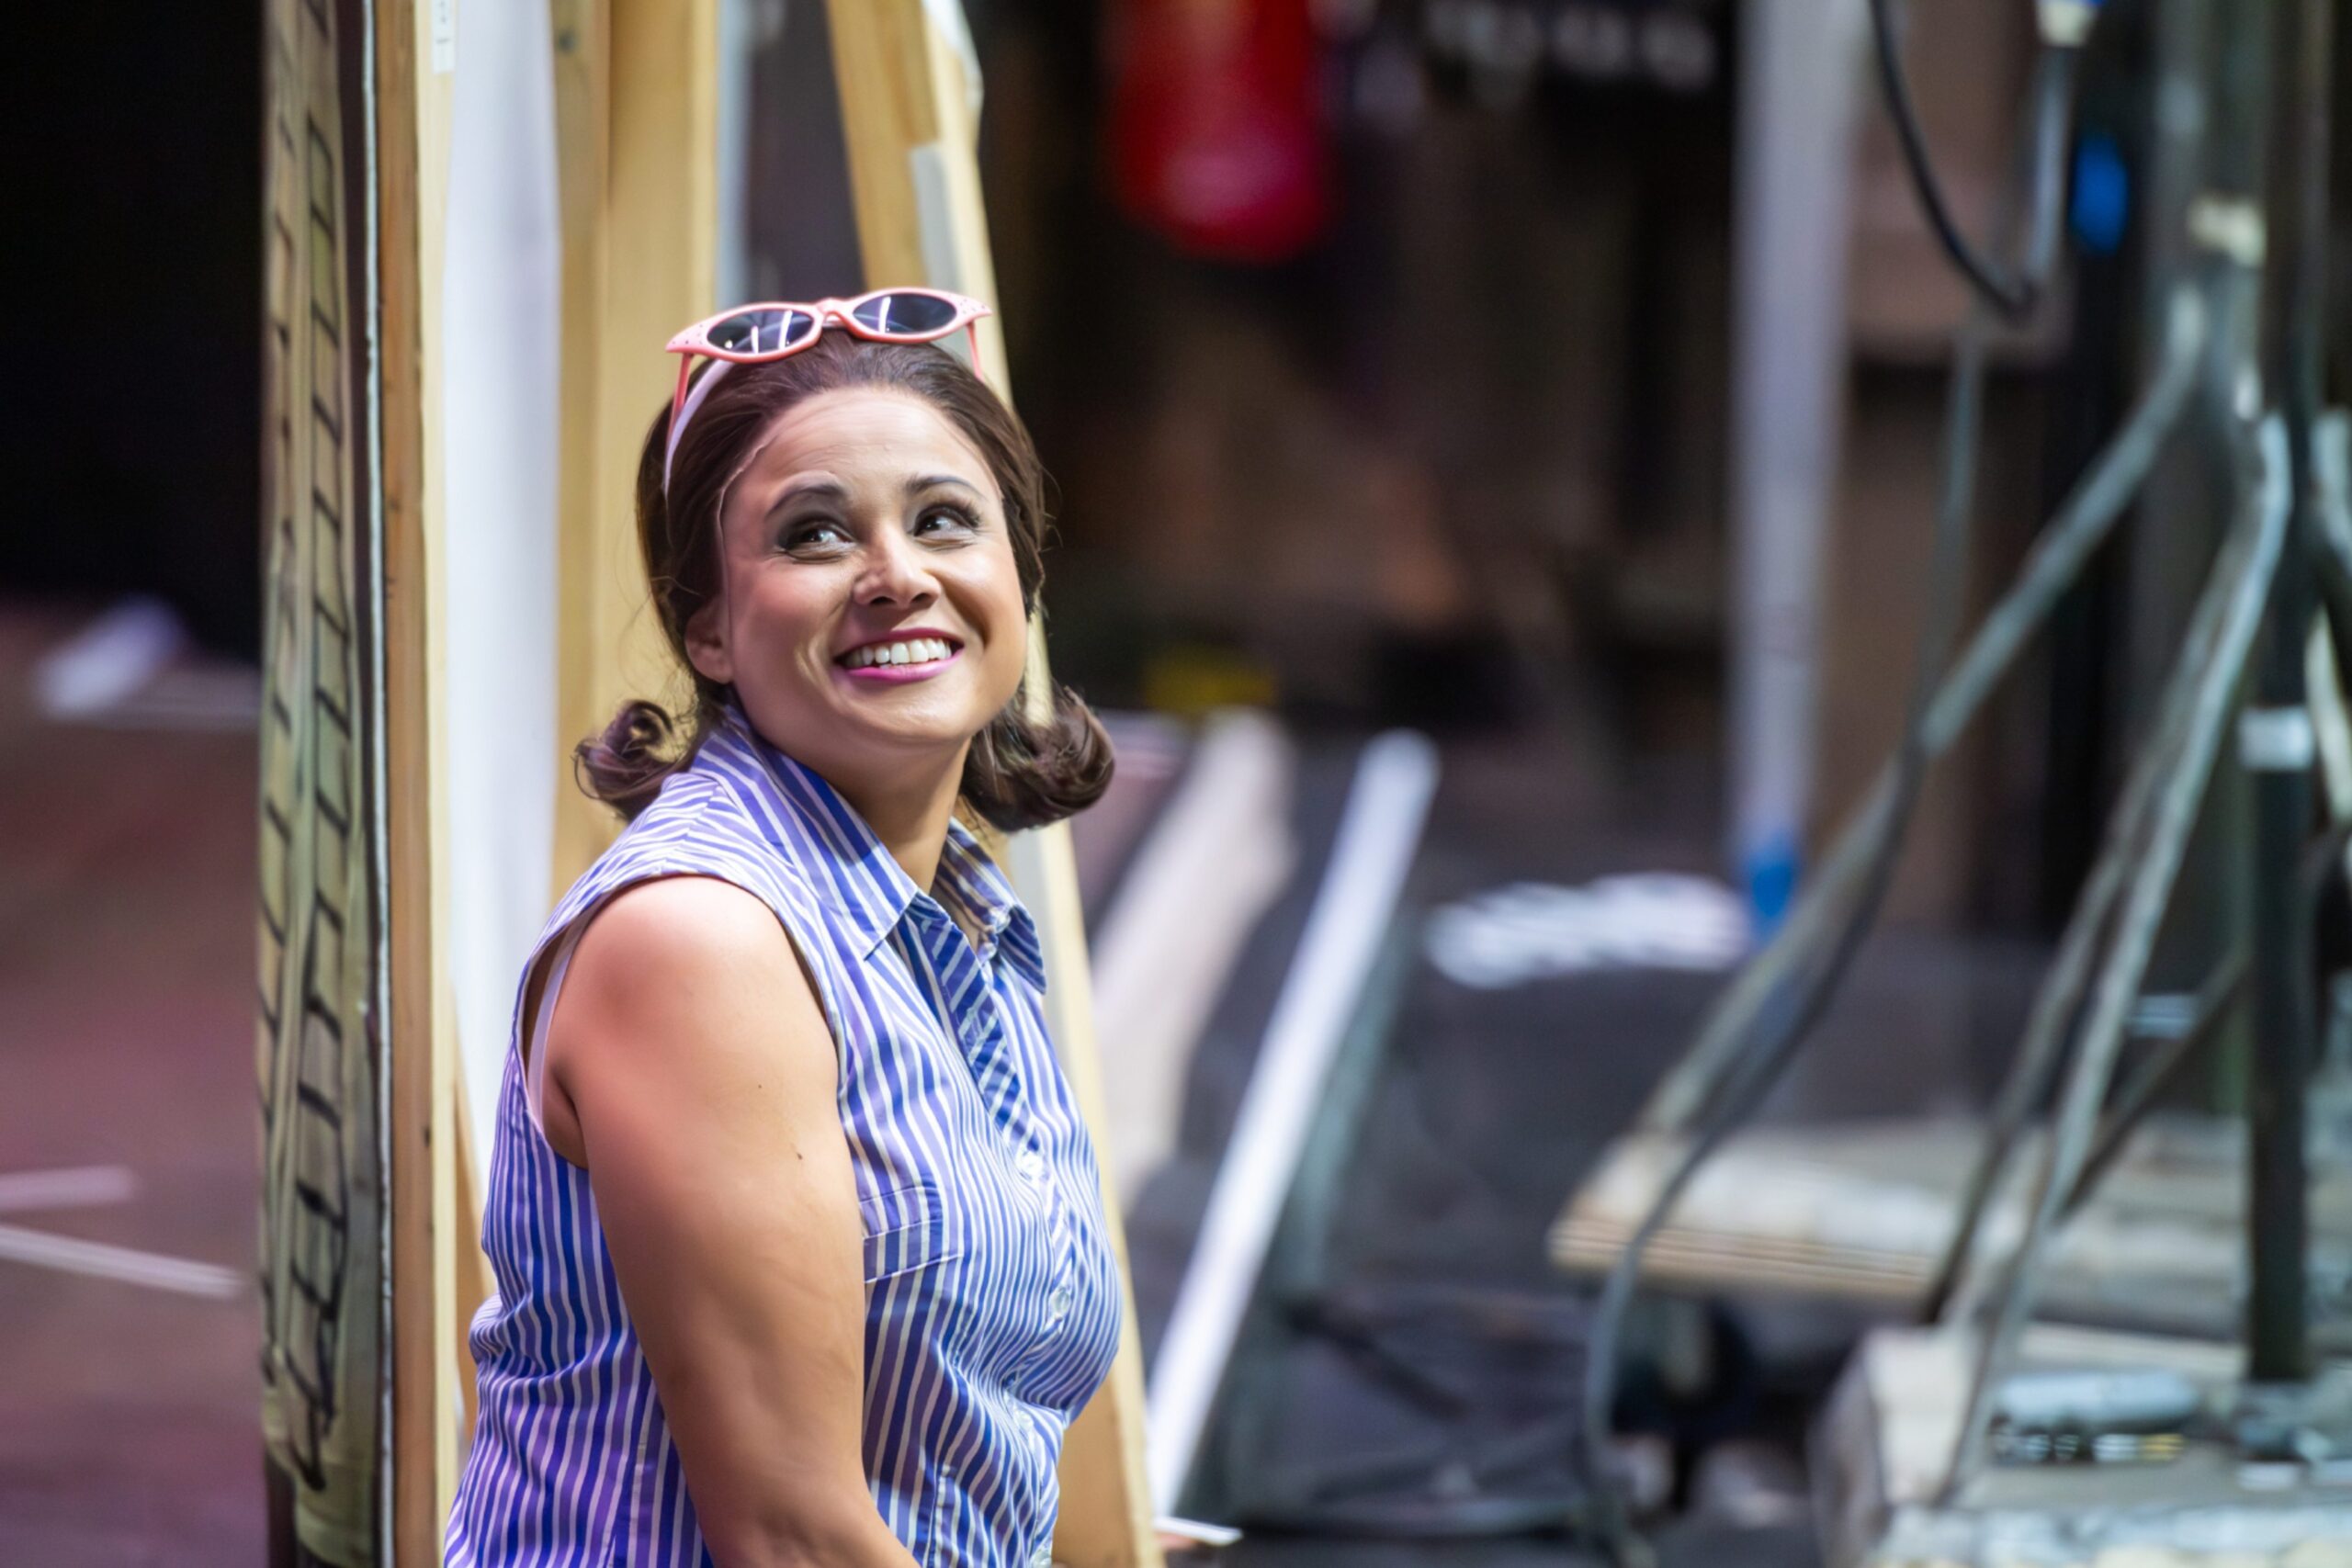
(1862, 1211)
(429, 1236)
(583, 68)
(636, 97)
(914, 179)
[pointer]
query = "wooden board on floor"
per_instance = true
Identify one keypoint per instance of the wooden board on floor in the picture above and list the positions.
(1862, 1212)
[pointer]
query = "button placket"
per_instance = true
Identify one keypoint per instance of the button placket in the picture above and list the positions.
(1063, 1295)
(1057, 1304)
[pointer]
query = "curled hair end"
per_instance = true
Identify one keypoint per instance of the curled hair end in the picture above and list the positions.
(627, 765)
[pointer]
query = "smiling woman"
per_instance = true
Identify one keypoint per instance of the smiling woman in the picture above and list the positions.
(797, 1225)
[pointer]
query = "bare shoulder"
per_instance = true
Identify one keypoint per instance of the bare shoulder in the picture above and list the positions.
(691, 929)
(685, 979)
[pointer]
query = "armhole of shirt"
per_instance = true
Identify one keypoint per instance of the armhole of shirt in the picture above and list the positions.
(535, 1063)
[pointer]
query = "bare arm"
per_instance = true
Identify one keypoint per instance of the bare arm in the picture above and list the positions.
(688, 1045)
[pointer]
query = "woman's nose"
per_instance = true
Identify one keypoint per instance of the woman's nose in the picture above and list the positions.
(895, 573)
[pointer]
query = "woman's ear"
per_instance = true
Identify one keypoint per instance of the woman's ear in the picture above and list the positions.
(707, 643)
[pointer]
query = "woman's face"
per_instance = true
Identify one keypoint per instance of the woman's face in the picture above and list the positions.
(862, 541)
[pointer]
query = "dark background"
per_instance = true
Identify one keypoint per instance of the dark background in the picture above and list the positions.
(128, 432)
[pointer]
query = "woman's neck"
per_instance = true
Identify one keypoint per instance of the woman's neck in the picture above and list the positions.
(908, 811)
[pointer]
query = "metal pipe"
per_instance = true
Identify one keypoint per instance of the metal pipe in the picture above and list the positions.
(2042, 1049)
(2276, 746)
(2241, 578)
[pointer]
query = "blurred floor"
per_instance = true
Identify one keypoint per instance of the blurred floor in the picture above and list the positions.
(128, 1415)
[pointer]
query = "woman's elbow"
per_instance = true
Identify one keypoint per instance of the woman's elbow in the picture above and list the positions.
(824, 1531)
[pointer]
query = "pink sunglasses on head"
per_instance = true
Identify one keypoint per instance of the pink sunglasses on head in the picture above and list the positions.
(752, 334)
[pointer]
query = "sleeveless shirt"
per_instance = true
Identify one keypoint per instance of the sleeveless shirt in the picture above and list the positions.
(994, 1298)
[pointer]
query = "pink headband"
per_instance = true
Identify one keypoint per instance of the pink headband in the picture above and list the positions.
(694, 400)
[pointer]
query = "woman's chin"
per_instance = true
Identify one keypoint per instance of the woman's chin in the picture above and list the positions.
(916, 729)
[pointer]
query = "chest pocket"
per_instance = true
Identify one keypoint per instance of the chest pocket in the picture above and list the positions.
(906, 1228)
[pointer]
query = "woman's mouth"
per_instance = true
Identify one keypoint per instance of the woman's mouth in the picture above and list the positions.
(899, 659)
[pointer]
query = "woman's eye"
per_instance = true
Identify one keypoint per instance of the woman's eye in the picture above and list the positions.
(949, 516)
(818, 533)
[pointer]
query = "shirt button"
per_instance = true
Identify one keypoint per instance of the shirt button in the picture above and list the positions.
(1030, 1164)
(1059, 1301)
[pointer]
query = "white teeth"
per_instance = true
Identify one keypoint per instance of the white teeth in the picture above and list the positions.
(913, 651)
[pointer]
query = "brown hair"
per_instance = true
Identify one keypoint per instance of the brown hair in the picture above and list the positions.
(1020, 772)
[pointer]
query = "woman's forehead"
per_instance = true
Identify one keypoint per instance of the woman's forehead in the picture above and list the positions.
(864, 435)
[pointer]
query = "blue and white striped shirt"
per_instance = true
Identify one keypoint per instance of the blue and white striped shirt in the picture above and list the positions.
(992, 1293)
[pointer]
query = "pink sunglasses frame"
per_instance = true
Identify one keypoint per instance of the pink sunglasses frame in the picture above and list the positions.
(694, 341)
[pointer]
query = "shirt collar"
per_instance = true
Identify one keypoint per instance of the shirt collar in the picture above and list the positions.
(969, 877)
(863, 884)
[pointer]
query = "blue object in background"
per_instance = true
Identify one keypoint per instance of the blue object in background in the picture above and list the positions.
(2102, 198)
(1771, 873)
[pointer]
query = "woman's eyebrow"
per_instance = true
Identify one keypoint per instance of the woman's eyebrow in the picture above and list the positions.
(927, 480)
(831, 490)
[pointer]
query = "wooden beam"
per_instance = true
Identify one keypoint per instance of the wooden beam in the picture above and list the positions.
(431, 1238)
(637, 104)
(409, 814)
(914, 179)
(582, 50)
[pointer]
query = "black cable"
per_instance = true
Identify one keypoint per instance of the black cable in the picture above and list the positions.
(2014, 295)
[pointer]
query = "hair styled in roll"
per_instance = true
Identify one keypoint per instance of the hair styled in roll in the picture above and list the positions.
(1020, 772)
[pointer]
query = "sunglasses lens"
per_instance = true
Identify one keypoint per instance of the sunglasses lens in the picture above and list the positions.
(905, 313)
(762, 332)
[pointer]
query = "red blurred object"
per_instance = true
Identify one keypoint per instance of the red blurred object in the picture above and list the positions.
(1218, 125)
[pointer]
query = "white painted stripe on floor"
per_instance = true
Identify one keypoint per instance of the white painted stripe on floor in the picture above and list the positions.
(72, 1187)
(108, 659)
(1219, 854)
(69, 1254)
(1378, 833)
